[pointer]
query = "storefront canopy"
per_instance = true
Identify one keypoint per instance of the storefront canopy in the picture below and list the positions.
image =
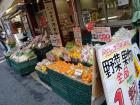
(4, 5)
(136, 15)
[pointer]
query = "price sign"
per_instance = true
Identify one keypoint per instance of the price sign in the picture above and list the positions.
(118, 73)
(123, 2)
(78, 72)
(56, 40)
(77, 35)
(101, 34)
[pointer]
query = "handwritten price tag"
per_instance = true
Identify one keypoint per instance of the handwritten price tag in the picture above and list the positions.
(77, 35)
(101, 34)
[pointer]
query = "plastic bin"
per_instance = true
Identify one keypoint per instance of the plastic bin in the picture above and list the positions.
(44, 77)
(73, 91)
(24, 68)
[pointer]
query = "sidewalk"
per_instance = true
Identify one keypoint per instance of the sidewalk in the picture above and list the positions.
(17, 90)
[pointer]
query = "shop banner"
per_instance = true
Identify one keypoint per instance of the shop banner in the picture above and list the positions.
(101, 34)
(56, 40)
(122, 2)
(77, 36)
(53, 23)
(117, 72)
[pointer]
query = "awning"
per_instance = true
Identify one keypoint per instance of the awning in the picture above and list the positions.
(136, 14)
(4, 5)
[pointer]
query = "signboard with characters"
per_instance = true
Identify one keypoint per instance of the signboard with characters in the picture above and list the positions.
(118, 73)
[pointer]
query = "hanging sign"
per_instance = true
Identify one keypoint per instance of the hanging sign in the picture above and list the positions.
(122, 2)
(101, 34)
(118, 73)
(53, 23)
(77, 36)
(56, 40)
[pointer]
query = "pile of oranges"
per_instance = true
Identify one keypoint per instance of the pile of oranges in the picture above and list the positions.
(70, 70)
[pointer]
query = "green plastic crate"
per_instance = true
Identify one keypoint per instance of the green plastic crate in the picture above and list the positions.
(62, 93)
(8, 60)
(79, 93)
(44, 77)
(41, 53)
(58, 84)
(25, 71)
(73, 91)
(79, 85)
(24, 68)
(78, 97)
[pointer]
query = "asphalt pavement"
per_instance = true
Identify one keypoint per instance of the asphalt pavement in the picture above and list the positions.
(17, 90)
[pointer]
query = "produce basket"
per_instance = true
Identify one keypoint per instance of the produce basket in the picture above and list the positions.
(24, 68)
(41, 53)
(79, 93)
(44, 77)
(75, 92)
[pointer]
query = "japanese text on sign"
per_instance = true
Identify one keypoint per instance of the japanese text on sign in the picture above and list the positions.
(114, 64)
(77, 35)
(118, 73)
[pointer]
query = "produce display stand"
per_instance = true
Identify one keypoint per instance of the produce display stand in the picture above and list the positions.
(24, 68)
(41, 52)
(7, 57)
(72, 90)
(44, 77)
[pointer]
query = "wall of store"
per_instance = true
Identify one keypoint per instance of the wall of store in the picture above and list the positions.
(61, 6)
(87, 4)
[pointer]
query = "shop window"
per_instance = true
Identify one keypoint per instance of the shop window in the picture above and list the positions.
(92, 10)
(119, 9)
(106, 11)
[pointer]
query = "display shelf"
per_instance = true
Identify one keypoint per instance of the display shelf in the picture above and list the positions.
(42, 52)
(73, 91)
(24, 68)
(44, 77)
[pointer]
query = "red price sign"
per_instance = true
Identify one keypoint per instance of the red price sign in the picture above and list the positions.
(101, 34)
(104, 37)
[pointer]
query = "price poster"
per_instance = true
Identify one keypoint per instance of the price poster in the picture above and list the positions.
(117, 72)
(77, 35)
(101, 34)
